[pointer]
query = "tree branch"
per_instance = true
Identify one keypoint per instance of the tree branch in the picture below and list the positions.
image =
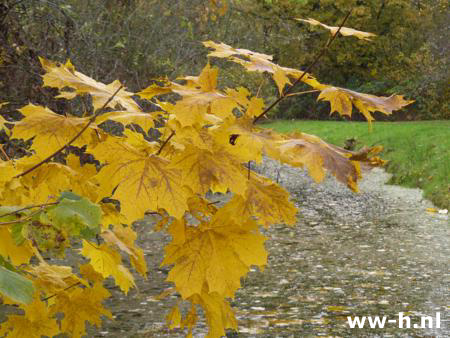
(316, 59)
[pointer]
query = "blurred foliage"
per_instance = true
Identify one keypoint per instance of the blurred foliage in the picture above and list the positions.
(137, 40)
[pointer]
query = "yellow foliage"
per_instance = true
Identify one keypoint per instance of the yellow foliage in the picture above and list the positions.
(209, 138)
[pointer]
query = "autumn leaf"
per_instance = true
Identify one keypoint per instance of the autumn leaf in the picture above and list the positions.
(345, 31)
(144, 120)
(245, 141)
(216, 253)
(173, 319)
(257, 62)
(65, 75)
(263, 199)
(316, 155)
(124, 238)
(144, 181)
(202, 170)
(342, 101)
(53, 278)
(107, 262)
(36, 322)
(51, 131)
(81, 305)
(218, 312)
(18, 254)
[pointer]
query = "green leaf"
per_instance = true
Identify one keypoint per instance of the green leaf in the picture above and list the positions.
(15, 286)
(76, 215)
(69, 195)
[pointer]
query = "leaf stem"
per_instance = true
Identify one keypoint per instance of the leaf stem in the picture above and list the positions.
(316, 59)
(165, 142)
(30, 207)
(82, 130)
(67, 288)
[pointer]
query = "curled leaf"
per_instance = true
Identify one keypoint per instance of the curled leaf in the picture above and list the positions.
(345, 31)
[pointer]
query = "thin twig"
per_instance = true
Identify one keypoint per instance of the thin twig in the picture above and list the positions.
(316, 59)
(4, 153)
(20, 220)
(301, 93)
(67, 288)
(165, 142)
(91, 120)
(30, 207)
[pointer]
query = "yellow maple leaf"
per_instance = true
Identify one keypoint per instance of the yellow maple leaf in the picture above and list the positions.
(18, 254)
(264, 199)
(65, 75)
(216, 254)
(51, 131)
(36, 323)
(107, 262)
(342, 101)
(241, 138)
(200, 97)
(258, 62)
(316, 155)
(203, 169)
(145, 182)
(345, 31)
(53, 278)
(218, 312)
(124, 237)
(173, 318)
(79, 306)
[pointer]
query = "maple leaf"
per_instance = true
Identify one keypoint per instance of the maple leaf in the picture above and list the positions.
(145, 182)
(36, 322)
(345, 31)
(242, 139)
(107, 262)
(124, 238)
(65, 75)
(258, 62)
(341, 100)
(51, 179)
(317, 155)
(53, 278)
(173, 319)
(199, 97)
(51, 131)
(79, 306)
(217, 254)
(218, 312)
(18, 254)
(203, 169)
(264, 199)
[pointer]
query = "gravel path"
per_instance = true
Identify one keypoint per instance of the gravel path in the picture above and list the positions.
(373, 253)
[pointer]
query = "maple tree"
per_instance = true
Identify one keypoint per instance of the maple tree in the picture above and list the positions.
(50, 205)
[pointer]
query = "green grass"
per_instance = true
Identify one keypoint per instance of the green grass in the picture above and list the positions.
(418, 152)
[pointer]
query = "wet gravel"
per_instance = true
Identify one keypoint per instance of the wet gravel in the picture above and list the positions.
(377, 252)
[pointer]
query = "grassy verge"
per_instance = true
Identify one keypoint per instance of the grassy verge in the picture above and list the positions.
(418, 152)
